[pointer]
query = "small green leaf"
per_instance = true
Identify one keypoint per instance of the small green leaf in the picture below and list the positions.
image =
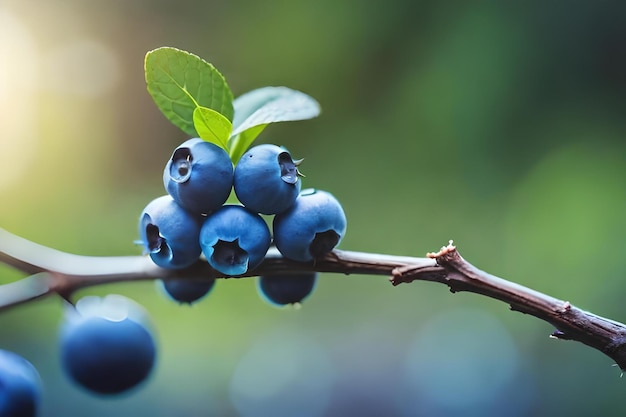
(240, 143)
(212, 126)
(179, 81)
(256, 109)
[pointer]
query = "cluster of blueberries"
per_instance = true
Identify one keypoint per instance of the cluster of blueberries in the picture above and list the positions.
(193, 219)
(107, 343)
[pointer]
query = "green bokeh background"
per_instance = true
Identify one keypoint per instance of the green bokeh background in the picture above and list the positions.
(500, 125)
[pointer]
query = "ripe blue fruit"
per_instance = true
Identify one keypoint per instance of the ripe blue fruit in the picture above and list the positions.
(283, 289)
(234, 239)
(187, 290)
(20, 386)
(266, 179)
(312, 227)
(169, 233)
(199, 176)
(106, 344)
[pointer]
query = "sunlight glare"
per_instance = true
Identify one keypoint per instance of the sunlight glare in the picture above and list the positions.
(18, 86)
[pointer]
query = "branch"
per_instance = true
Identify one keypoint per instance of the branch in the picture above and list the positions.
(61, 273)
(571, 323)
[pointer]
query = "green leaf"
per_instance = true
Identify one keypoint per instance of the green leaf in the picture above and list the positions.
(270, 105)
(212, 126)
(179, 82)
(256, 109)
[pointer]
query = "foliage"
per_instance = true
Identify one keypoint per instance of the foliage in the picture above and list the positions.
(194, 96)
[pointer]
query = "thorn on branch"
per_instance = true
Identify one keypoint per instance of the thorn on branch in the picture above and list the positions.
(557, 334)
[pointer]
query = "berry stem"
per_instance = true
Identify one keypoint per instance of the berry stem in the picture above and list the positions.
(56, 272)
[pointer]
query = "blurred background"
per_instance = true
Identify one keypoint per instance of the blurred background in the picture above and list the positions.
(500, 125)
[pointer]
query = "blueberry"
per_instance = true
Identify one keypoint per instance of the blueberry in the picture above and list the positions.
(266, 179)
(312, 227)
(20, 386)
(283, 289)
(234, 240)
(169, 233)
(187, 290)
(199, 176)
(106, 346)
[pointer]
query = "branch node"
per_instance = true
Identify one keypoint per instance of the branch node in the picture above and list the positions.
(399, 274)
(445, 250)
(395, 279)
(412, 272)
(565, 307)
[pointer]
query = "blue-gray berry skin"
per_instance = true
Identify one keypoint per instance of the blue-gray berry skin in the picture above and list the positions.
(20, 386)
(312, 227)
(199, 176)
(187, 291)
(234, 240)
(283, 289)
(106, 347)
(266, 179)
(169, 234)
